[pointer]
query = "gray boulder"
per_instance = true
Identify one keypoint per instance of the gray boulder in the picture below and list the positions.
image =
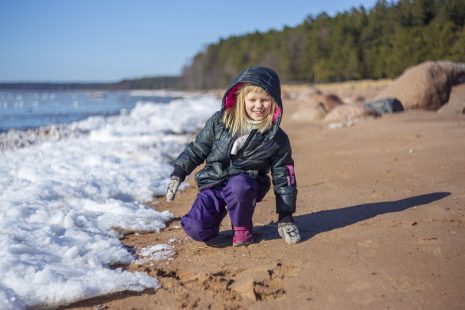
(386, 105)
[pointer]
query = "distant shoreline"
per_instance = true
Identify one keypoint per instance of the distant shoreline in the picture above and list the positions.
(56, 86)
(164, 82)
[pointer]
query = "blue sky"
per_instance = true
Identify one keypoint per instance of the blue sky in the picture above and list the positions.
(103, 40)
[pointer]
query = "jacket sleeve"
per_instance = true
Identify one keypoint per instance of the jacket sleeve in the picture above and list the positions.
(196, 151)
(283, 175)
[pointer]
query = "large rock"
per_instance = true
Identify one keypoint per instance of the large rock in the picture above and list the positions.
(328, 102)
(425, 86)
(387, 105)
(456, 104)
(316, 107)
(348, 114)
(308, 113)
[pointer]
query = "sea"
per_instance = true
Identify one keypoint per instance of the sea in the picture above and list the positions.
(77, 169)
(34, 109)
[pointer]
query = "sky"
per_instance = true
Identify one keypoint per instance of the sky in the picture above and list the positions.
(110, 40)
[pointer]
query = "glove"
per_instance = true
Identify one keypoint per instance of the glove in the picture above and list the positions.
(172, 188)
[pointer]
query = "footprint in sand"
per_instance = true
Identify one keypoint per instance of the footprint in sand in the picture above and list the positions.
(262, 283)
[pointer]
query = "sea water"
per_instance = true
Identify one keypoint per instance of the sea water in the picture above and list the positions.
(33, 109)
(67, 184)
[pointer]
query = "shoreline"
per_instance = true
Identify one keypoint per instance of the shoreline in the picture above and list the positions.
(380, 209)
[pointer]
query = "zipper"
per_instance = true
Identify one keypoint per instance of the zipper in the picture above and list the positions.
(231, 143)
(241, 150)
(233, 139)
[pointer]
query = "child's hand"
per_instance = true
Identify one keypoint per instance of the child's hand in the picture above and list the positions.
(172, 188)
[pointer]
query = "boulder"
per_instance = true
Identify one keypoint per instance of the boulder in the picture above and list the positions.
(345, 114)
(308, 113)
(456, 103)
(316, 107)
(386, 105)
(348, 114)
(425, 86)
(328, 102)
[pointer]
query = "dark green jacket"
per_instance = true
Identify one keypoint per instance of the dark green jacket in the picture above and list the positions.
(261, 153)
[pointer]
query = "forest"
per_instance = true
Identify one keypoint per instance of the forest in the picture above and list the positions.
(356, 44)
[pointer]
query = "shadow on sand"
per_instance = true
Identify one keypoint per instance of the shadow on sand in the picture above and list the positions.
(313, 224)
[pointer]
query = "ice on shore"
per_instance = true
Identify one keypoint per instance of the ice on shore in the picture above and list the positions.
(61, 200)
(155, 253)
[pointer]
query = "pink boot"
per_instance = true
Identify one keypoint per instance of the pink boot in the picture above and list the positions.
(242, 236)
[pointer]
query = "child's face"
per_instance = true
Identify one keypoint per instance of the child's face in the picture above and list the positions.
(258, 106)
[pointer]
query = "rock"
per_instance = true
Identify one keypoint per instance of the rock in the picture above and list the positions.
(348, 114)
(425, 86)
(316, 107)
(456, 103)
(345, 113)
(386, 105)
(328, 102)
(308, 113)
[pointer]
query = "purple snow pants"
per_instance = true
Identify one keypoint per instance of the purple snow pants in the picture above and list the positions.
(238, 196)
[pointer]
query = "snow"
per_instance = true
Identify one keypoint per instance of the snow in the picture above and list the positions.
(155, 253)
(62, 198)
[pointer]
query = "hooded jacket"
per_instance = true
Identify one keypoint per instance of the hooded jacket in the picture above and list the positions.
(261, 153)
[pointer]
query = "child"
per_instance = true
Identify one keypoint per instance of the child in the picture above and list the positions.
(241, 143)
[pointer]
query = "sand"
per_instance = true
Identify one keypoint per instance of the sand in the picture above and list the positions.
(381, 210)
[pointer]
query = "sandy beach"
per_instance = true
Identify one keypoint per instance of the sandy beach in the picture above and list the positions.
(381, 211)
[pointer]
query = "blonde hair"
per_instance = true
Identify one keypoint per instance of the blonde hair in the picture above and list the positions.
(235, 118)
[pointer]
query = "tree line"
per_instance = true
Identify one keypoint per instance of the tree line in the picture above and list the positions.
(356, 44)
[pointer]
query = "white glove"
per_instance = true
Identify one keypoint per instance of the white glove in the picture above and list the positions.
(172, 188)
